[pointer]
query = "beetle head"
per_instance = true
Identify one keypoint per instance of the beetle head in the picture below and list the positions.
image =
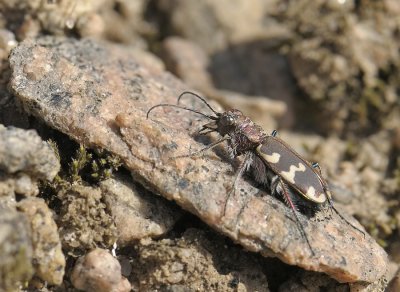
(223, 123)
(228, 121)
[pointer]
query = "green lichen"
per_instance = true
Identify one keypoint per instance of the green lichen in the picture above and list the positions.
(78, 163)
(92, 166)
(86, 166)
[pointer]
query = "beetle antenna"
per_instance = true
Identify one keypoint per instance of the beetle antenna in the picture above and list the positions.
(344, 219)
(181, 107)
(199, 97)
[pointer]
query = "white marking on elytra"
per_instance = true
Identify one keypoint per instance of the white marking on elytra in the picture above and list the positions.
(274, 158)
(313, 196)
(311, 192)
(289, 175)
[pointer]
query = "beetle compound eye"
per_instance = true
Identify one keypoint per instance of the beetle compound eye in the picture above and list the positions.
(227, 120)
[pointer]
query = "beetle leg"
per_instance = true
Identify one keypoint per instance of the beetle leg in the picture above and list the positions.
(208, 147)
(200, 132)
(244, 166)
(316, 165)
(277, 185)
(332, 207)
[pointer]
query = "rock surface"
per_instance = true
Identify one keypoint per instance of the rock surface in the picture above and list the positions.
(29, 242)
(99, 96)
(137, 213)
(48, 258)
(24, 151)
(24, 159)
(15, 250)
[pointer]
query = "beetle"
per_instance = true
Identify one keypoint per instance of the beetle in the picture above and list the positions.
(272, 161)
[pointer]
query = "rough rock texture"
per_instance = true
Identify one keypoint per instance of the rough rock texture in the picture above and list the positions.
(137, 213)
(20, 184)
(99, 96)
(24, 151)
(48, 258)
(24, 159)
(198, 261)
(15, 250)
(99, 271)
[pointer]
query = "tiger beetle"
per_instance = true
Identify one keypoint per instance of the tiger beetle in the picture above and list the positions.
(273, 163)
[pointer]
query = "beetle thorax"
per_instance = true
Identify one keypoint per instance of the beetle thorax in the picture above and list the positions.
(245, 134)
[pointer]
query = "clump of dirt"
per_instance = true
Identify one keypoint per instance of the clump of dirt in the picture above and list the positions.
(196, 261)
(84, 222)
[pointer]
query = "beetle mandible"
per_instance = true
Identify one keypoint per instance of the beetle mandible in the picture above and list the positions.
(274, 163)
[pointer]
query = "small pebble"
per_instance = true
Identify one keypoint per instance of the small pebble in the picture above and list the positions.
(99, 271)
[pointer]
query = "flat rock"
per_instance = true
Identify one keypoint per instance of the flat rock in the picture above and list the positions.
(137, 213)
(24, 151)
(99, 95)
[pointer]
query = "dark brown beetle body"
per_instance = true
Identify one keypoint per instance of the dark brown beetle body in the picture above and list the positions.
(274, 164)
(293, 169)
